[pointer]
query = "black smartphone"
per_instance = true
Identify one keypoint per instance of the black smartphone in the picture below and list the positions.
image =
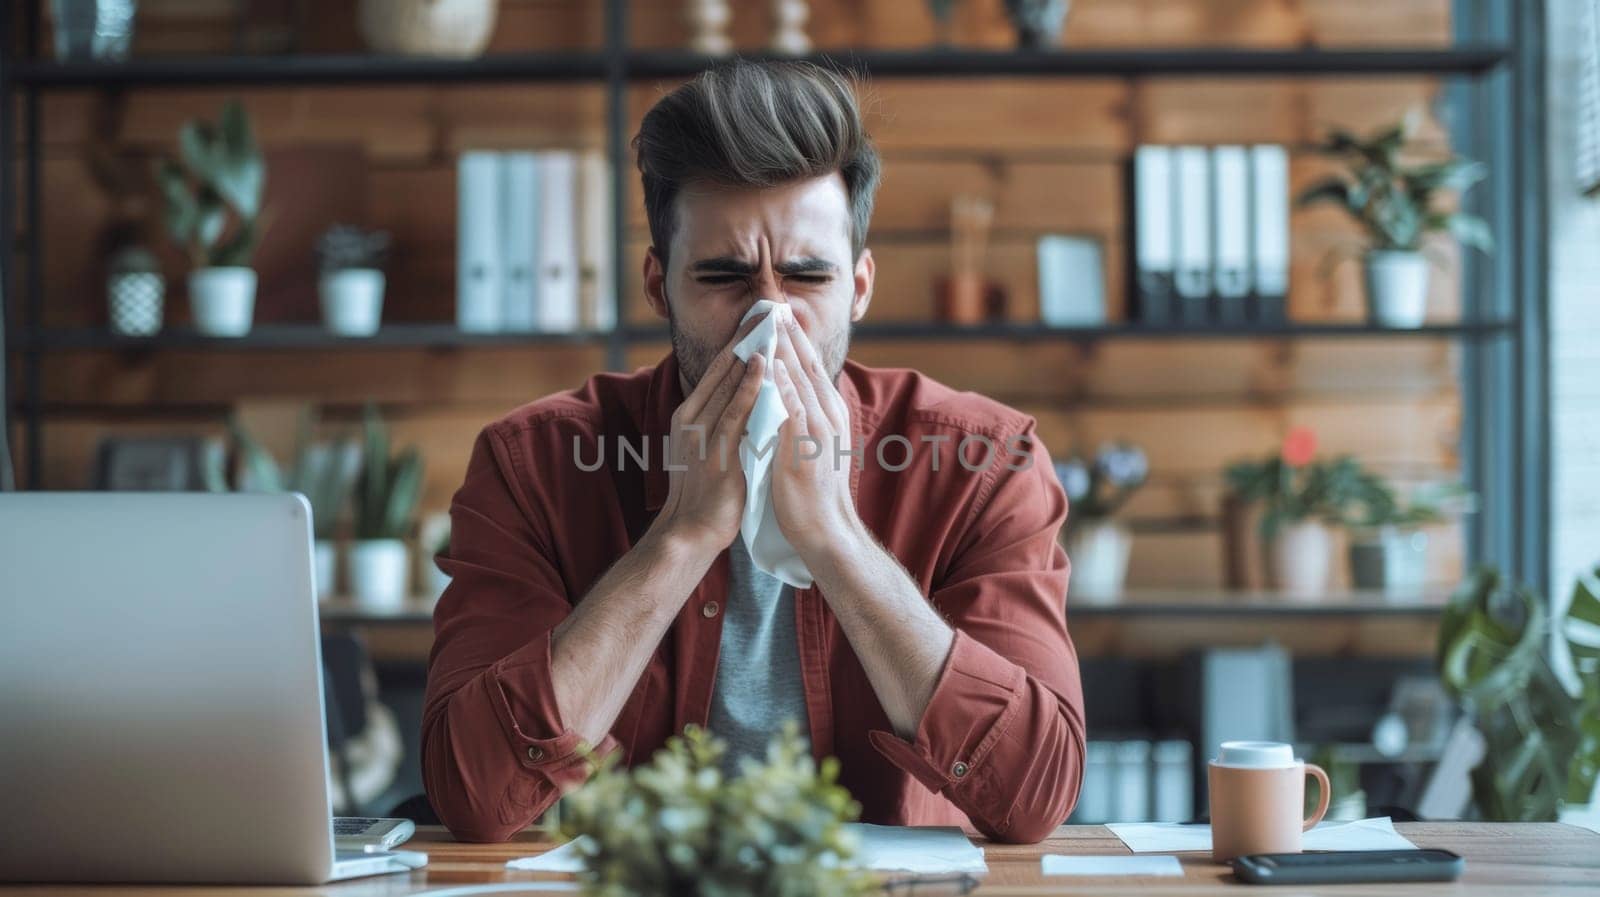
(1339, 867)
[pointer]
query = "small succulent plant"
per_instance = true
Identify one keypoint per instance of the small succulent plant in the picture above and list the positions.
(343, 247)
(387, 492)
(1096, 488)
(677, 828)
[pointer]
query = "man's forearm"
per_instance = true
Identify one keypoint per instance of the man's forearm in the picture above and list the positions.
(900, 639)
(599, 652)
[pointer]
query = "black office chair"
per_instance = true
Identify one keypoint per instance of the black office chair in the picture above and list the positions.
(343, 659)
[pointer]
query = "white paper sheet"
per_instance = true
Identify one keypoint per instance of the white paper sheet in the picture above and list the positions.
(1056, 864)
(884, 848)
(894, 848)
(1364, 834)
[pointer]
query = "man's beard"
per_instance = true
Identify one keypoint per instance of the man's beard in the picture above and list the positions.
(695, 356)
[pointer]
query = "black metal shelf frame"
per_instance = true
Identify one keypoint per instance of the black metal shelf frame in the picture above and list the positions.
(1495, 61)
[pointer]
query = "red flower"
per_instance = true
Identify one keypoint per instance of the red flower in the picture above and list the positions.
(1299, 447)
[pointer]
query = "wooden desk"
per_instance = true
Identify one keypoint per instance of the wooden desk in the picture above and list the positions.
(1516, 860)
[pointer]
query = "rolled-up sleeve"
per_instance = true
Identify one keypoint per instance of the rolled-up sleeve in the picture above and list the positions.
(495, 751)
(1003, 734)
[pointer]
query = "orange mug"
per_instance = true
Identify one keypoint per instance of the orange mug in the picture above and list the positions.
(1258, 791)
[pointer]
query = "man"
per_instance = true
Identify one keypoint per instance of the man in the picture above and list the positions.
(604, 597)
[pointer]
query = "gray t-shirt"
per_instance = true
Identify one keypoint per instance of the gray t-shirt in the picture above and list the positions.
(758, 684)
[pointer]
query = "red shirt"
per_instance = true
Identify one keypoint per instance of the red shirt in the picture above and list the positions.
(1002, 740)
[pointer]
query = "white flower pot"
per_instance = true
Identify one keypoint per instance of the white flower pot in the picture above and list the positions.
(1299, 559)
(378, 572)
(135, 299)
(1397, 288)
(223, 300)
(449, 28)
(352, 301)
(325, 557)
(1099, 552)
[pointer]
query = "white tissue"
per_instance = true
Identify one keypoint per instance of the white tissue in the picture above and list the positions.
(769, 550)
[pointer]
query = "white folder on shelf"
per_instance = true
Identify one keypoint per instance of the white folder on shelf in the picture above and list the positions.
(1269, 173)
(1193, 250)
(596, 290)
(1230, 169)
(519, 233)
(1153, 229)
(478, 265)
(558, 242)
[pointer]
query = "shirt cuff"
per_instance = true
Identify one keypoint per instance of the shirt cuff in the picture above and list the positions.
(526, 706)
(974, 702)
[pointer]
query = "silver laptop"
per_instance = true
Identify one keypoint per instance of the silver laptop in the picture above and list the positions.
(161, 715)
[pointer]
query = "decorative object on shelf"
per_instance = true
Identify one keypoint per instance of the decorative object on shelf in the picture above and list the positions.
(385, 496)
(681, 825)
(1388, 545)
(350, 280)
(1038, 22)
(135, 292)
(944, 14)
(454, 29)
(1396, 202)
(158, 464)
(789, 27)
(708, 25)
(434, 536)
(1096, 543)
(966, 295)
(213, 211)
(1540, 724)
(322, 471)
(99, 30)
(1072, 281)
(1301, 500)
(1210, 235)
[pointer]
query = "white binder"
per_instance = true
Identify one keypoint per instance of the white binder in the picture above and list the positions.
(596, 292)
(519, 232)
(1153, 229)
(478, 266)
(558, 242)
(1269, 171)
(1230, 168)
(1193, 249)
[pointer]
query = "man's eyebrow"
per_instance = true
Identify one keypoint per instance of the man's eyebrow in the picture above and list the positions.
(730, 265)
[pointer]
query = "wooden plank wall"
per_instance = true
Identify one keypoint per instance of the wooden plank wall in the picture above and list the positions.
(1050, 153)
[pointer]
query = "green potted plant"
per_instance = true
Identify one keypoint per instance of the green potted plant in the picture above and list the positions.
(1498, 653)
(1388, 537)
(212, 198)
(350, 279)
(1097, 543)
(1397, 202)
(322, 471)
(1301, 500)
(677, 827)
(385, 497)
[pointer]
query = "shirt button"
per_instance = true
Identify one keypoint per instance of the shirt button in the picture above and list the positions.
(710, 609)
(535, 754)
(959, 770)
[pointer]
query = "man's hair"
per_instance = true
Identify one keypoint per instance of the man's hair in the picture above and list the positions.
(755, 124)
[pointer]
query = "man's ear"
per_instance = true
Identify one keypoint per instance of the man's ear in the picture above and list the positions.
(655, 282)
(865, 268)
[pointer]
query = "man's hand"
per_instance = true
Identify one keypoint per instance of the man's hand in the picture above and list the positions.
(705, 500)
(811, 473)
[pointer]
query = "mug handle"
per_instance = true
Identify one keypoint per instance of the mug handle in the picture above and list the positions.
(1315, 771)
